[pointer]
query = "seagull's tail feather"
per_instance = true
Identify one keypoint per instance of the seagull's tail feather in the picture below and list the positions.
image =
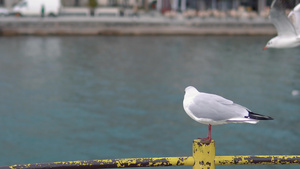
(259, 116)
(242, 120)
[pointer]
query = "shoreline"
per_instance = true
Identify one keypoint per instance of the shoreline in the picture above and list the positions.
(14, 26)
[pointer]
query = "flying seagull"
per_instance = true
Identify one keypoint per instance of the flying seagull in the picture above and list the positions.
(288, 27)
(212, 109)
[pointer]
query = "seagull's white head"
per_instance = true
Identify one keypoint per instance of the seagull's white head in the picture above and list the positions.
(271, 43)
(191, 90)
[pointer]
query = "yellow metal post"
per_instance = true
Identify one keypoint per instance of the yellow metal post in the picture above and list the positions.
(204, 154)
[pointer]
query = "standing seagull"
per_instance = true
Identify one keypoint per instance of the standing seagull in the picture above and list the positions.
(288, 27)
(212, 109)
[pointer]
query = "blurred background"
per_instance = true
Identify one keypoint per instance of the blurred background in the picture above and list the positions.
(95, 94)
(171, 8)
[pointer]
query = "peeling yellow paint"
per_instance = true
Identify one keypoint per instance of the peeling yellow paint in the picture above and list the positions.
(257, 159)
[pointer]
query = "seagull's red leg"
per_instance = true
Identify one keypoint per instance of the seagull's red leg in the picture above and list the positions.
(208, 138)
(209, 133)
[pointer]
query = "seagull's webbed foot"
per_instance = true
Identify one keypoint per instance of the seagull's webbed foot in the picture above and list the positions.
(206, 140)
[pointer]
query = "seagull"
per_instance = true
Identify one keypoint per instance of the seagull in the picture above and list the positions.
(288, 27)
(211, 109)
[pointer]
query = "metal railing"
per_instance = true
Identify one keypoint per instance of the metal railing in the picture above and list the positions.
(203, 158)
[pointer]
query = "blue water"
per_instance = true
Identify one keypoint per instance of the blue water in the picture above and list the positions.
(83, 97)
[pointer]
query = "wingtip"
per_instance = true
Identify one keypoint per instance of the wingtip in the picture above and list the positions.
(259, 116)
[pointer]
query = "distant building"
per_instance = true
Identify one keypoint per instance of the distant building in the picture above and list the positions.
(183, 5)
(84, 3)
(166, 5)
(103, 2)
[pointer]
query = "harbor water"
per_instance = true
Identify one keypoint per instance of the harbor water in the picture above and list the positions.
(96, 97)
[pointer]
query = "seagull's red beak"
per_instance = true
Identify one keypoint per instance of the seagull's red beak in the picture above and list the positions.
(265, 47)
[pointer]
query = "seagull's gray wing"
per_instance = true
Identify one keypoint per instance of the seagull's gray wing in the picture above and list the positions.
(279, 19)
(294, 17)
(216, 108)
